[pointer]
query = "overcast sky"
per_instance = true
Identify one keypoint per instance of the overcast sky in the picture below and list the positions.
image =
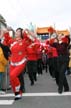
(19, 13)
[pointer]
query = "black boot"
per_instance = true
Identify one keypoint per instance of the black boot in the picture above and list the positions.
(18, 96)
(32, 83)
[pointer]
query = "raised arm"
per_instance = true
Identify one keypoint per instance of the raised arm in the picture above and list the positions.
(5, 37)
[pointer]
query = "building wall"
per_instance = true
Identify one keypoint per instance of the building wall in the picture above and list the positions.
(2, 25)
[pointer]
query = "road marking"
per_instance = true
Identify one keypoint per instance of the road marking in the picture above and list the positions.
(38, 94)
(10, 102)
(6, 102)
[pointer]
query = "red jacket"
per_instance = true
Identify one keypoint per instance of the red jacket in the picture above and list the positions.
(39, 52)
(18, 48)
(52, 52)
(32, 50)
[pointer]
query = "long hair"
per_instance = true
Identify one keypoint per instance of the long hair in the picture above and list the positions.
(20, 31)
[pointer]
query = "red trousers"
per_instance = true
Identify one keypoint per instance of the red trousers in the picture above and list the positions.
(14, 73)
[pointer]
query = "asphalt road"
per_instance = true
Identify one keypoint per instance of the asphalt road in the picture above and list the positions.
(44, 84)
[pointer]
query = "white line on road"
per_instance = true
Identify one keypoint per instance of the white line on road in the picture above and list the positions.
(37, 94)
(10, 102)
(6, 102)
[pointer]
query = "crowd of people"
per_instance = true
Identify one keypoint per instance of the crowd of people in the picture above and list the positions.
(26, 50)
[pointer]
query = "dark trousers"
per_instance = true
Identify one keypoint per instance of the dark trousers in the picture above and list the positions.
(52, 66)
(61, 79)
(39, 66)
(21, 78)
(32, 70)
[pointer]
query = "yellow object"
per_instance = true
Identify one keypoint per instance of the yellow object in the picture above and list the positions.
(70, 58)
(70, 63)
(3, 61)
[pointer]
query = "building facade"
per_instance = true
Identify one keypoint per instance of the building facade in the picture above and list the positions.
(2, 22)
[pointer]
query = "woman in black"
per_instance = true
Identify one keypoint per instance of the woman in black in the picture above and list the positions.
(61, 45)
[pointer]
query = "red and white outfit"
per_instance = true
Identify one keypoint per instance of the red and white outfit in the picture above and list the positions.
(18, 58)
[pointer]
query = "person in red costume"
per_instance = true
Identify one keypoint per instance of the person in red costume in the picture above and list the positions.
(18, 57)
(39, 59)
(32, 60)
(52, 57)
